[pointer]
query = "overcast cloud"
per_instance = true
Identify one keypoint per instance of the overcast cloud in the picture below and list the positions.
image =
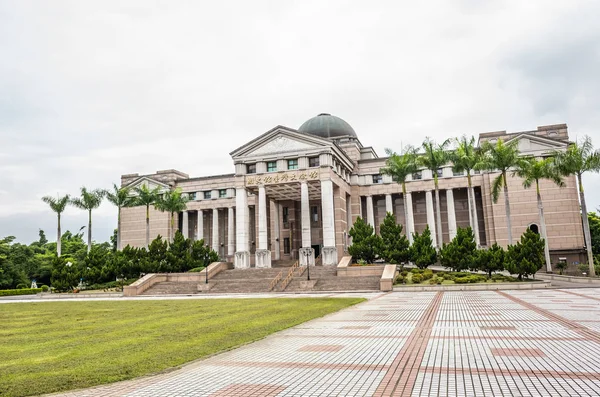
(90, 90)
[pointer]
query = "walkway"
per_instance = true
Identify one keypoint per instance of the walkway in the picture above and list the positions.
(506, 343)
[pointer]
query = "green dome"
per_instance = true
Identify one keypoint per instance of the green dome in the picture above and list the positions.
(327, 126)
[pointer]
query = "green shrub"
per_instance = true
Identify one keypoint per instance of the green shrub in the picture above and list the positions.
(448, 276)
(562, 265)
(45, 288)
(197, 270)
(20, 291)
(422, 253)
(404, 273)
(491, 259)
(399, 279)
(366, 245)
(460, 253)
(474, 278)
(416, 271)
(417, 278)
(527, 256)
(433, 280)
(394, 244)
(21, 286)
(427, 274)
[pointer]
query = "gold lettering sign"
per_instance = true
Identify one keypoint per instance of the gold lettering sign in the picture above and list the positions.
(282, 178)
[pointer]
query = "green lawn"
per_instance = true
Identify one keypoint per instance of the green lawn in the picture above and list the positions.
(54, 346)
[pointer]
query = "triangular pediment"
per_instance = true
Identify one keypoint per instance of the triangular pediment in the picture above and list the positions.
(530, 143)
(282, 144)
(151, 183)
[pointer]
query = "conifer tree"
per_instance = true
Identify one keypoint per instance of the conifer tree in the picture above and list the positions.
(394, 243)
(422, 253)
(178, 255)
(460, 253)
(491, 260)
(366, 245)
(527, 256)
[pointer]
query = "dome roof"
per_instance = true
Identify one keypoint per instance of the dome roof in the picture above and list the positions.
(327, 126)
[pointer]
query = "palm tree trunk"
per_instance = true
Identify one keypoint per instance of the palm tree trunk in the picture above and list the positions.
(586, 228)
(147, 226)
(119, 229)
(543, 226)
(58, 235)
(438, 215)
(406, 220)
(473, 210)
(172, 229)
(507, 209)
(89, 247)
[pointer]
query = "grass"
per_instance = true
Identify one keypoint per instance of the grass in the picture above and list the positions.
(56, 346)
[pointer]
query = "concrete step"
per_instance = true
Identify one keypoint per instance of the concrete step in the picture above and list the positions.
(172, 288)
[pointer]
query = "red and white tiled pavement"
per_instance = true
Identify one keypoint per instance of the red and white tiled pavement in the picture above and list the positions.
(484, 343)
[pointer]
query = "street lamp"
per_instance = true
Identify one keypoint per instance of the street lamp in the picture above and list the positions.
(307, 253)
(206, 257)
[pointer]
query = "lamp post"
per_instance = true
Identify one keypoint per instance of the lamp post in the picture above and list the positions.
(206, 256)
(307, 253)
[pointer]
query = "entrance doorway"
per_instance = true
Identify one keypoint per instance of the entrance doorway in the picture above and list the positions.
(317, 249)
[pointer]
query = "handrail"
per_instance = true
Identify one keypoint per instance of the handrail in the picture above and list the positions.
(289, 276)
(275, 280)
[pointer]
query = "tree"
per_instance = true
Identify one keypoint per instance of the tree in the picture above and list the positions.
(422, 252)
(395, 245)
(43, 240)
(500, 157)
(120, 198)
(594, 221)
(579, 158)
(172, 202)
(65, 276)
(460, 253)
(399, 167)
(157, 256)
(464, 159)
(366, 245)
(202, 255)
(57, 205)
(146, 197)
(532, 170)
(527, 256)
(491, 260)
(434, 158)
(88, 201)
(178, 255)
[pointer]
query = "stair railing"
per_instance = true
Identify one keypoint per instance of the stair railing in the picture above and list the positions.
(275, 280)
(289, 276)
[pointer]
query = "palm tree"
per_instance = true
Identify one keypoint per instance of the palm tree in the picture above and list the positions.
(57, 205)
(579, 158)
(464, 158)
(399, 167)
(500, 157)
(434, 158)
(120, 198)
(89, 200)
(172, 202)
(146, 197)
(532, 170)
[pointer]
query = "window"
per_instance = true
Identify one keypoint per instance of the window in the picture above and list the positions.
(377, 178)
(458, 173)
(440, 172)
(293, 164)
(222, 193)
(314, 213)
(271, 166)
(207, 195)
(313, 161)
(251, 169)
(192, 196)
(417, 175)
(286, 215)
(286, 245)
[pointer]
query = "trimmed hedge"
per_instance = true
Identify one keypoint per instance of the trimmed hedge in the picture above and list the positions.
(21, 291)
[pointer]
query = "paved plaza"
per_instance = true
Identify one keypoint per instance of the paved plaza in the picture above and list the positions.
(503, 343)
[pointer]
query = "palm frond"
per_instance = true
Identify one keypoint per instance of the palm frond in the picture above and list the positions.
(497, 184)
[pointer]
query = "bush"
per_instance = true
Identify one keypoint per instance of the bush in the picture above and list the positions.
(491, 260)
(527, 256)
(416, 271)
(460, 253)
(422, 253)
(400, 279)
(366, 245)
(45, 288)
(474, 278)
(417, 278)
(427, 274)
(20, 291)
(21, 286)
(404, 273)
(394, 244)
(562, 265)
(196, 269)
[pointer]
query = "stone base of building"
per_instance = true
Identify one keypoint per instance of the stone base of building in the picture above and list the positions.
(263, 258)
(329, 256)
(307, 253)
(242, 260)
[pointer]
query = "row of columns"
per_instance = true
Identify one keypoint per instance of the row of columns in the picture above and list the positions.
(215, 229)
(410, 227)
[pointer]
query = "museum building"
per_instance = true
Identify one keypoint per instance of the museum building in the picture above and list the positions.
(295, 194)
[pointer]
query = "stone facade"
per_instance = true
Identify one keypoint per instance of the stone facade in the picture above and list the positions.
(294, 195)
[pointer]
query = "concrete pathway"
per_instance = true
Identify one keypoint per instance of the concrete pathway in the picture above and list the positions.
(483, 343)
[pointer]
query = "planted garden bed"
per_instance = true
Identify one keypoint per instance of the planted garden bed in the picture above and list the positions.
(430, 277)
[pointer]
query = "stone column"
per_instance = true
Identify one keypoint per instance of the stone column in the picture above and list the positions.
(215, 231)
(276, 233)
(263, 255)
(389, 204)
(230, 233)
(185, 226)
(430, 216)
(410, 222)
(451, 214)
(370, 213)
(306, 250)
(329, 255)
(242, 254)
(200, 234)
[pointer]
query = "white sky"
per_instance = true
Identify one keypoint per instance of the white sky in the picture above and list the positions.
(90, 90)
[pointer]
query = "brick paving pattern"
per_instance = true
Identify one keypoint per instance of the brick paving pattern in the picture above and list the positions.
(503, 343)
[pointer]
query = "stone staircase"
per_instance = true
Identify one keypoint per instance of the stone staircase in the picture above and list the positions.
(327, 280)
(244, 280)
(172, 288)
